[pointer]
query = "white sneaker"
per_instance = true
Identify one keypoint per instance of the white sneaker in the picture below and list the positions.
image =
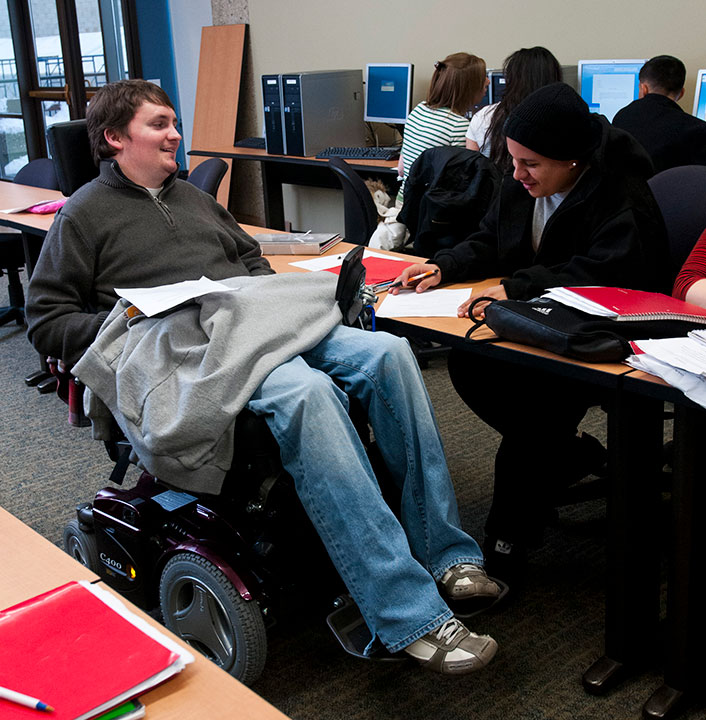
(468, 581)
(453, 649)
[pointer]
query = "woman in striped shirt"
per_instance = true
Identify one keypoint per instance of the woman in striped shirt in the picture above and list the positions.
(457, 84)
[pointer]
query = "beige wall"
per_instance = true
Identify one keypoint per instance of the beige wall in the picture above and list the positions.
(330, 34)
(293, 35)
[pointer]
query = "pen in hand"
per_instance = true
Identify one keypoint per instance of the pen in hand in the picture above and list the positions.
(416, 278)
(25, 700)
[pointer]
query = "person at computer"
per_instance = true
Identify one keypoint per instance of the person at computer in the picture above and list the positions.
(690, 283)
(671, 136)
(457, 84)
(525, 70)
(137, 225)
(577, 210)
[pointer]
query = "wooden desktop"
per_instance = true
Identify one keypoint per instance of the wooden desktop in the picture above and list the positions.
(32, 565)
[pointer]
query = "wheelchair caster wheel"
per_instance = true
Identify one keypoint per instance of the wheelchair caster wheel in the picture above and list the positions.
(81, 545)
(201, 606)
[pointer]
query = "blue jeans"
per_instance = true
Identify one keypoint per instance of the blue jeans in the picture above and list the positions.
(389, 565)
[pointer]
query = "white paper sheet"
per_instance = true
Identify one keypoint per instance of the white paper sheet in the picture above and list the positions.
(432, 303)
(331, 261)
(163, 297)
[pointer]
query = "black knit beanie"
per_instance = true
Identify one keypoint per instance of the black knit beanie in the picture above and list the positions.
(555, 122)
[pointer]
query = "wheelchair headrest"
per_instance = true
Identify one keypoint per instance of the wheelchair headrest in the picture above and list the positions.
(71, 151)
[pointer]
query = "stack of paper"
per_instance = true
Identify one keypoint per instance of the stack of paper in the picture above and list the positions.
(80, 650)
(679, 361)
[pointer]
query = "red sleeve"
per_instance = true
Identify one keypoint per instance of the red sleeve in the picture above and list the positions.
(693, 269)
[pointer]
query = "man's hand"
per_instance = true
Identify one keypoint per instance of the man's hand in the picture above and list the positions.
(495, 291)
(407, 278)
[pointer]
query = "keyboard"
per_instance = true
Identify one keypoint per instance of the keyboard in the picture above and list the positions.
(257, 143)
(360, 153)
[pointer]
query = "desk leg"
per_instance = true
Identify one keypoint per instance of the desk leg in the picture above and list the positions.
(274, 200)
(686, 627)
(635, 428)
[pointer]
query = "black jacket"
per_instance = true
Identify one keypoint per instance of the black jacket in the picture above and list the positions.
(447, 193)
(608, 231)
(670, 136)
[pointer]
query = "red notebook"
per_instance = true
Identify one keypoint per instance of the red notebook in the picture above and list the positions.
(378, 270)
(80, 650)
(622, 304)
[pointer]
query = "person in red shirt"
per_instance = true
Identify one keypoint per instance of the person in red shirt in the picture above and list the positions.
(690, 284)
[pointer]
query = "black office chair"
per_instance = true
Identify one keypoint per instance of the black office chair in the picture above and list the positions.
(37, 173)
(360, 213)
(681, 195)
(69, 146)
(207, 175)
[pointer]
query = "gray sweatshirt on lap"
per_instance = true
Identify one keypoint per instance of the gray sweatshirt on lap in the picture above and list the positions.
(175, 384)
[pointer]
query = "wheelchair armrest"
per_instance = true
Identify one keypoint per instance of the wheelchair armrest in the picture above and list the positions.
(70, 390)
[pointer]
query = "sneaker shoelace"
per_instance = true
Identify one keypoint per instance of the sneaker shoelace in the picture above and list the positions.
(449, 631)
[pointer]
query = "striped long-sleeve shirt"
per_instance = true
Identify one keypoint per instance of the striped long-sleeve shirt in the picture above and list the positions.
(693, 269)
(430, 127)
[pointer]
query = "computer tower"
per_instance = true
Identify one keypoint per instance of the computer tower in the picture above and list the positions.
(321, 109)
(570, 73)
(272, 106)
(496, 86)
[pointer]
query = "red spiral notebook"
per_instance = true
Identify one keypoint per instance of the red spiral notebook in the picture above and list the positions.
(378, 270)
(80, 650)
(624, 304)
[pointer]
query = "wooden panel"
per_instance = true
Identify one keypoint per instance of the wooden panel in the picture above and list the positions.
(217, 93)
(31, 565)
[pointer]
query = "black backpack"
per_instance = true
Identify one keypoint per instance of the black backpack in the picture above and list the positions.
(446, 195)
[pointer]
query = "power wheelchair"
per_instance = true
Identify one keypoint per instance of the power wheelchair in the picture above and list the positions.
(222, 569)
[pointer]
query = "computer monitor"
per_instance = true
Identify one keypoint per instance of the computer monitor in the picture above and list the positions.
(700, 95)
(388, 92)
(609, 85)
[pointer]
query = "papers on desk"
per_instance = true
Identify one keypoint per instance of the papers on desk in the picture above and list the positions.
(154, 300)
(432, 303)
(681, 362)
(81, 650)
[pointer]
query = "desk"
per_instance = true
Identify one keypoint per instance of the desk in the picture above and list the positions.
(201, 690)
(634, 450)
(32, 225)
(634, 446)
(293, 170)
(15, 195)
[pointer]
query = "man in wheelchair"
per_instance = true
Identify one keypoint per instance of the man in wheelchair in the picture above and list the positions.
(137, 225)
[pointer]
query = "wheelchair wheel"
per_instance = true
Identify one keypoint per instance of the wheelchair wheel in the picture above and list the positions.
(81, 545)
(202, 607)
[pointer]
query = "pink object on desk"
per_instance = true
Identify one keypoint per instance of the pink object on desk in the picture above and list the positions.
(47, 207)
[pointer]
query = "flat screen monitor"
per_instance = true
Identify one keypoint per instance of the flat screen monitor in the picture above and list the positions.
(609, 85)
(496, 89)
(700, 95)
(388, 92)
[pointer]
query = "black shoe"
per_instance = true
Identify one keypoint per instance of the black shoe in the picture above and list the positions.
(591, 456)
(506, 561)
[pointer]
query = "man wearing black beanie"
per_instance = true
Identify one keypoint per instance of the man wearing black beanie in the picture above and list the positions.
(576, 210)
